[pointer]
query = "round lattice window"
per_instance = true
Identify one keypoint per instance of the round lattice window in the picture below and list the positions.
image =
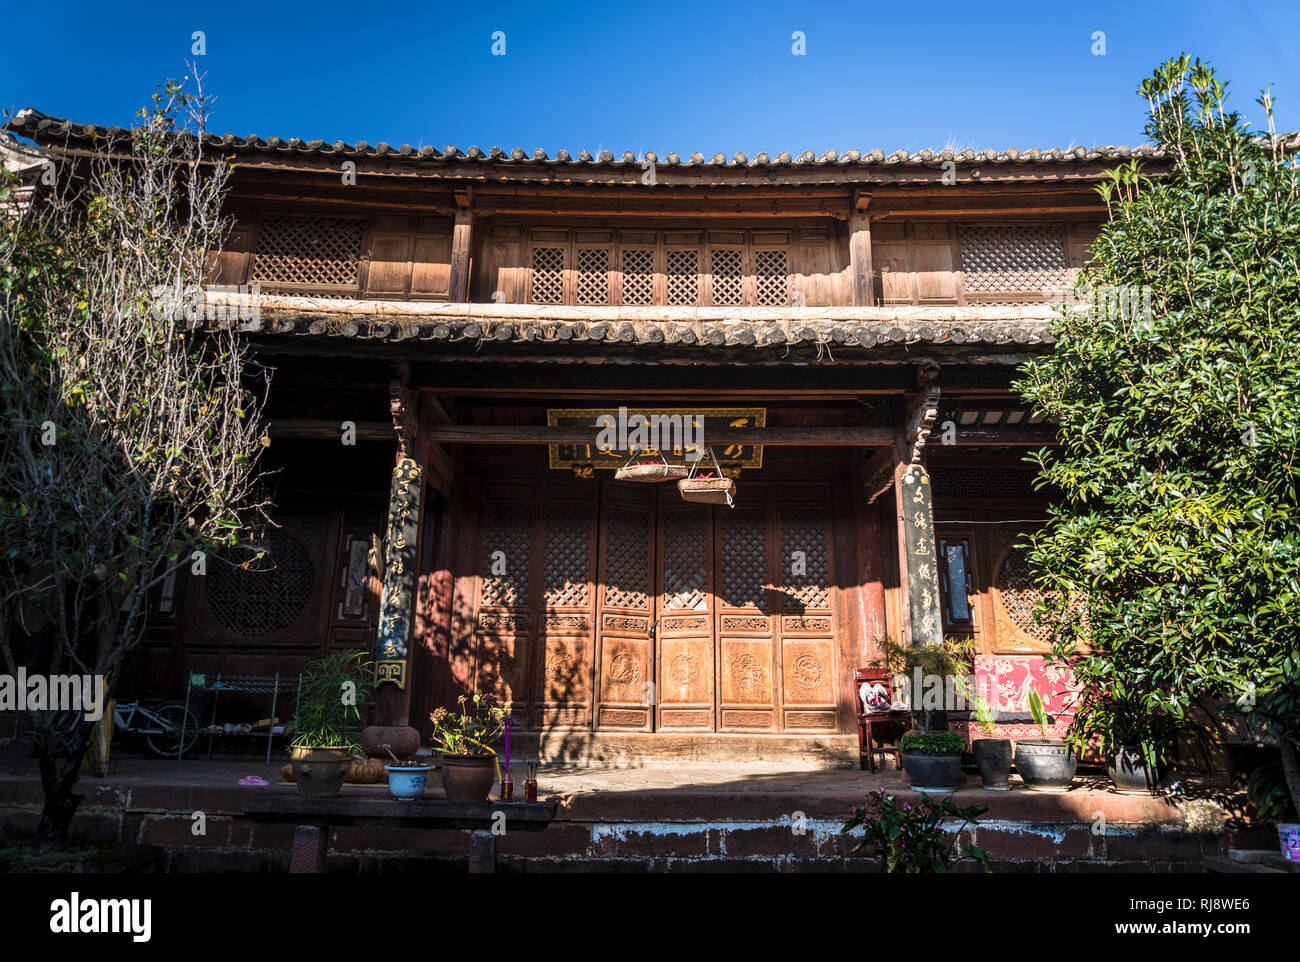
(268, 596)
(1018, 595)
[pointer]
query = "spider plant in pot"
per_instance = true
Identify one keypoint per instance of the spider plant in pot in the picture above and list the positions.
(1045, 764)
(406, 779)
(469, 763)
(932, 760)
(1132, 730)
(332, 700)
(992, 754)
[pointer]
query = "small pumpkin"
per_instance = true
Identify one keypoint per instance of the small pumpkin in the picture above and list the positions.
(366, 771)
(287, 772)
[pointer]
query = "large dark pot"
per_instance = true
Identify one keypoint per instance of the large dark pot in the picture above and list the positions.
(320, 771)
(933, 773)
(1129, 770)
(1046, 765)
(993, 755)
(402, 739)
(468, 778)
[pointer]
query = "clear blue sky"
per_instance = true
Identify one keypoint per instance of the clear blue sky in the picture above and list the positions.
(641, 75)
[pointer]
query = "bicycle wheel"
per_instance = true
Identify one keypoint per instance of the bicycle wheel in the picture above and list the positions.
(169, 717)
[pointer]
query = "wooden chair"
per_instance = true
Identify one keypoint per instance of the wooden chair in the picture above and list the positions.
(890, 723)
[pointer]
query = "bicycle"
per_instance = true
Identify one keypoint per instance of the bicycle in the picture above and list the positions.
(172, 731)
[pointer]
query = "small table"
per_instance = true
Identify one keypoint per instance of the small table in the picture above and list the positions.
(313, 817)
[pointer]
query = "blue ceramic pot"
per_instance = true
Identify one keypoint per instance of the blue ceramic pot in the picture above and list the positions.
(406, 783)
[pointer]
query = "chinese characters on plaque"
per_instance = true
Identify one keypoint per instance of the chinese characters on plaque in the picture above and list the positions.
(922, 568)
(396, 600)
(585, 459)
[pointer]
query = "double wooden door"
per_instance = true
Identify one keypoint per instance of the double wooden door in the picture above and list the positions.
(631, 610)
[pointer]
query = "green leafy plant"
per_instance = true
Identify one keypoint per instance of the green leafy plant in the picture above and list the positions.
(335, 692)
(1170, 566)
(1038, 713)
(948, 660)
(985, 716)
(910, 836)
(472, 730)
(933, 743)
(1267, 791)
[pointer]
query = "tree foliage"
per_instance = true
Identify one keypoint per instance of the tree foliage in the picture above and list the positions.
(1172, 563)
(129, 428)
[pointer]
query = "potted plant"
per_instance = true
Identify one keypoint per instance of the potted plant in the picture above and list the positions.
(406, 779)
(464, 738)
(932, 760)
(992, 754)
(1045, 764)
(1132, 731)
(935, 667)
(332, 699)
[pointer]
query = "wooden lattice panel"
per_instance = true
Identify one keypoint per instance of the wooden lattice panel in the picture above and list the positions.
(626, 558)
(804, 531)
(683, 277)
(568, 557)
(771, 278)
(985, 482)
(685, 559)
(307, 251)
(744, 559)
(1013, 260)
(638, 276)
(268, 596)
(1018, 595)
(548, 275)
(728, 276)
(593, 275)
(507, 551)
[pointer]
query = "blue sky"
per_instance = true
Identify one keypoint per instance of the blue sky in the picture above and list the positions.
(660, 76)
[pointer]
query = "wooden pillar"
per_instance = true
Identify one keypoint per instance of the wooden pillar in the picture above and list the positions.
(914, 508)
(860, 250)
(462, 237)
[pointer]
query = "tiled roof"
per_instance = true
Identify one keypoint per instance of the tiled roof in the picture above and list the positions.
(651, 327)
(32, 123)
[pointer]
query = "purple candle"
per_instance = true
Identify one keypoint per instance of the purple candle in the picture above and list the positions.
(507, 746)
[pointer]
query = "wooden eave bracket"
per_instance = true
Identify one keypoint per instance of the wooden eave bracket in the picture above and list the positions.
(922, 412)
(402, 404)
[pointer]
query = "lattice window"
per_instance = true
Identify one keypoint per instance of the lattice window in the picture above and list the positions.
(803, 559)
(728, 276)
(686, 559)
(744, 559)
(1019, 595)
(268, 596)
(771, 278)
(1013, 260)
(507, 551)
(593, 275)
(683, 277)
(638, 276)
(627, 549)
(991, 482)
(567, 559)
(548, 275)
(307, 251)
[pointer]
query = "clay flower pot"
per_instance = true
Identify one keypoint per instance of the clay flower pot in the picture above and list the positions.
(1130, 773)
(993, 755)
(320, 771)
(932, 773)
(468, 778)
(1046, 765)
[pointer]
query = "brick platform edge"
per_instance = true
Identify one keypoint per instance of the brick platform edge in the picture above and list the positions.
(654, 830)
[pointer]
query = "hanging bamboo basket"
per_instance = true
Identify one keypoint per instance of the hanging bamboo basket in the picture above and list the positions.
(709, 487)
(650, 471)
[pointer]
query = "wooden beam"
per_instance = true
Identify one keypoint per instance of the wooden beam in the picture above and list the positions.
(860, 251)
(461, 238)
(878, 473)
(537, 434)
(320, 429)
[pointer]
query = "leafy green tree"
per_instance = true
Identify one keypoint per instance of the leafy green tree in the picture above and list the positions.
(1172, 563)
(129, 426)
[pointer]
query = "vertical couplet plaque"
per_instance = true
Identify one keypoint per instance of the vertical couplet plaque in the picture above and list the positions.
(396, 600)
(922, 570)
